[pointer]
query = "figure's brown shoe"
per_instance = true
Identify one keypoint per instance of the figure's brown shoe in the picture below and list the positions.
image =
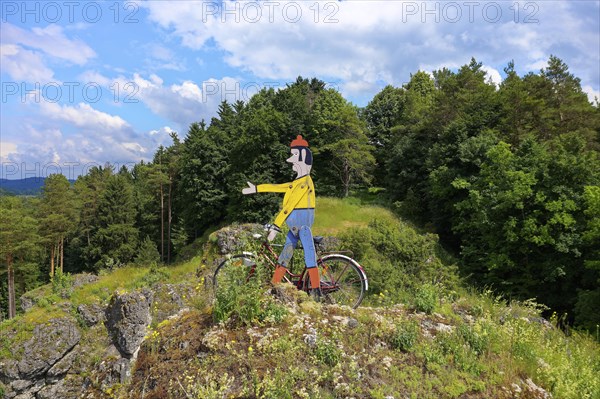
(313, 275)
(278, 275)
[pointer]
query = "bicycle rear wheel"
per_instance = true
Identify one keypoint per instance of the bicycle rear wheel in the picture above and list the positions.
(343, 281)
(234, 271)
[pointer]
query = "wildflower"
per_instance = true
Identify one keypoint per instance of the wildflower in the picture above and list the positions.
(250, 349)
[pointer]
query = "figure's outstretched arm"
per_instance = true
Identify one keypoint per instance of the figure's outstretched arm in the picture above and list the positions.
(251, 189)
(273, 188)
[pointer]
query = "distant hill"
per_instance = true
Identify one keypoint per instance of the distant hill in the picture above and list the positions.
(28, 186)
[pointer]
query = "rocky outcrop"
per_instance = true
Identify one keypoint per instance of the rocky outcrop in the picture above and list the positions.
(51, 363)
(43, 359)
(83, 279)
(91, 314)
(127, 320)
(232, 239)
(26, 303)
(49, 344)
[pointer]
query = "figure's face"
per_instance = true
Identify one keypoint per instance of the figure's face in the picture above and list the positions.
(294, 159)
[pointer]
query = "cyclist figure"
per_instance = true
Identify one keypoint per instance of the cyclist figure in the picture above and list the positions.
(298, 212)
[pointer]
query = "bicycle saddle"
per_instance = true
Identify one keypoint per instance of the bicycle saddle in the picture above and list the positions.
(318, 239)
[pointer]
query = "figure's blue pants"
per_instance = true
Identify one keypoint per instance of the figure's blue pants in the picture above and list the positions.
(300, 221)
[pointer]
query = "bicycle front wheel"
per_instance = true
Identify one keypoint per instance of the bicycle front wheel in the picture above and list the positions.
(343, 281)
(234, 271)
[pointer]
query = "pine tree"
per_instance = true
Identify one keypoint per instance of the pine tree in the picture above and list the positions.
(20, 242)
(116, 239)
(58, 216)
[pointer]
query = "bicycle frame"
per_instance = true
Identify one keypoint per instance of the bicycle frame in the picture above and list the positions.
(340, 275)
(271, 257)
(298, 280)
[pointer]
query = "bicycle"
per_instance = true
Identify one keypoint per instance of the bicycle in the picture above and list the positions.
(343, 280)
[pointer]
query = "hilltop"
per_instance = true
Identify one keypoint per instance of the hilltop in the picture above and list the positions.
(158, 332)
(27, 186)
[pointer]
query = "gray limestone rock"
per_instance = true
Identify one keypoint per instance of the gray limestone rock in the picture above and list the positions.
(50, 343)
(91, 314)
(127, 318)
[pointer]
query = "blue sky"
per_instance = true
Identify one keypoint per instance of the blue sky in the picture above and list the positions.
(90, 82)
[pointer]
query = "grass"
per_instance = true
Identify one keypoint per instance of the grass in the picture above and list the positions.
(335, 215)
(487, 342)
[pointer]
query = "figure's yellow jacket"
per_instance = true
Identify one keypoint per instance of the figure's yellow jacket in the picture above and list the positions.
(299, 194)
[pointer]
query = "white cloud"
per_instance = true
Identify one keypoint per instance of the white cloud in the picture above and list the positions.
(381, 41)
(83, 116)
(135, 147)
(536, 66)
(189, 101)
(7, 148)
(492, 74)
(51, 40)
(95, 77)
(593, 94)
(41, 150)
(24, 65)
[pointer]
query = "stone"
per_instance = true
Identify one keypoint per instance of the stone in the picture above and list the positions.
(50, 343)
(83, 279)
(352, 322)
(67, 388)
(538, 392)
(443, 328)
(231, 239)
(9, 370)
(91, 314)
(26, 303)
(21, 385)
(329, 244)
(62, 367)
(127, 320)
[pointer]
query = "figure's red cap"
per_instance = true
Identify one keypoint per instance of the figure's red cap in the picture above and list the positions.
(299, 142)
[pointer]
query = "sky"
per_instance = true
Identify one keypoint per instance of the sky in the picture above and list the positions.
(84, 83)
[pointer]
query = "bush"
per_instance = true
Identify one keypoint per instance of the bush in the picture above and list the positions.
(328, 353)
(62, 284)
(426, 298)
(397, 258)
(148, 254)
(247, 303)
(155, 275)
(405, 337)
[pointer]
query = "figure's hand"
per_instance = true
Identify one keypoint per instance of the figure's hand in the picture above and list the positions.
(272, 235)
(251, 189)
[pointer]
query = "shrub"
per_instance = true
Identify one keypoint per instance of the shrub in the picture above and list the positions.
(397, 258)
(148, 254)
(426, 298)
(328, 353)
(247, 303)
(405, 336)
(62, 284)
(155, 274)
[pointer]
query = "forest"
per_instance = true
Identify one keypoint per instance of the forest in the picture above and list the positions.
(508, 176)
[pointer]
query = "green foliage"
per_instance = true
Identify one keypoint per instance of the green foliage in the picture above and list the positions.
(62, 284)
(155, 275)
(405, 336)
(502, 176)
(19, 251)
(396, 258)
(426, 298)
(328, 353)
(147, 255)
(115, 240)
(246, 303)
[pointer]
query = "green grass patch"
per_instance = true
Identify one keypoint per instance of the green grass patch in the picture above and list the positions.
(335, 215)
(125, 278)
